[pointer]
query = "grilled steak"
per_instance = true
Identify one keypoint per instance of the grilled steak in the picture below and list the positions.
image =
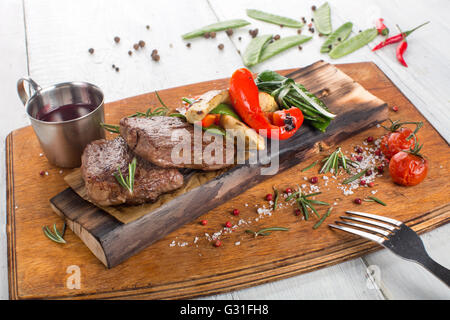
(101, 160)
(169, 142)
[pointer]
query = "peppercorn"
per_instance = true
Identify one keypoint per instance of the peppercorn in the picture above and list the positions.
(281, 26)
(380, 169)
(236, 212)
(204, 222)
(371, 184)
(117, 69)
(277, 37)
(288, 190)
(330, 46)
(42, 173)
(113, 66)
(362, 182)
(269, 197)
(359, 158)
(300, 47)
(369, 139)
(141, 43)
(359, 149)
(213, 35)
(116, 39)
(136, 46)
(240, 38)
(130, 52)
(395, 108)
(314, 180)
(156, 57)
(378, 152)
(368, 173)
(91, 50)
(207, 35)
(312, 19)
(297, 212)
(313, 8)
(220, 46)
(229, 32)
(148, 27)
(228, 224)
(299, 31)
(218, 243)
(357, 201)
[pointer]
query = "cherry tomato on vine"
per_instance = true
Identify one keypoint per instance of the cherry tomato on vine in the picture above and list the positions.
(399, 138)
(408, 169)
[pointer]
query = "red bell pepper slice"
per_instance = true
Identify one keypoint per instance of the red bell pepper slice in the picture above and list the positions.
(281, 124)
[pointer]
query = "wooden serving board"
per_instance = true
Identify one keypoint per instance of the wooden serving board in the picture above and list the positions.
(177, 266)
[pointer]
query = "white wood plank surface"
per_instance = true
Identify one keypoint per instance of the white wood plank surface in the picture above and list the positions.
(55, 49)
(12, 113)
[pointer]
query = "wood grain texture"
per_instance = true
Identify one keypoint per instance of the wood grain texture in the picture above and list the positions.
(356, 108)
(138, 276)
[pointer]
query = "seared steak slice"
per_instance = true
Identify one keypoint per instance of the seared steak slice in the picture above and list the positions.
(169, 142)
(100, 161)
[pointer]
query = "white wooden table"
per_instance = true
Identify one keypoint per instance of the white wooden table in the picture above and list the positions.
(49, 40)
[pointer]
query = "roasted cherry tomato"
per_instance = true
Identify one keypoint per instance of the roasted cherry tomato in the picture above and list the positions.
(408, 169)
(398, 139)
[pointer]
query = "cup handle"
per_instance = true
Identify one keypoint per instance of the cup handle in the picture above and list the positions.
(23, 95)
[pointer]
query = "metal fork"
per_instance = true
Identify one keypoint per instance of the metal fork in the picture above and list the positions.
(393, 235)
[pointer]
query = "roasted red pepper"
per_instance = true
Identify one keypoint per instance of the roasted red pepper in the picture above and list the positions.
(281, 124)
(382, 29)
(397, 38)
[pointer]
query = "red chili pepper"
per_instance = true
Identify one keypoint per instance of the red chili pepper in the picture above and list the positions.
(396, 38)
(382, 29)
(281, 124)
(401, 48)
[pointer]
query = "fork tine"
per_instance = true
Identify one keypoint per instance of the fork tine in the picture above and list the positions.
(363, 234)
(376, 217)
(372, 222)
(362, 226)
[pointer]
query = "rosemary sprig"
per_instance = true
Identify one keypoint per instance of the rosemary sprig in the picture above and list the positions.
(110, 127)
(55, 236)
(356, 176)
(323, 218)
(128, 182)
(304, 203)
(160, 100)
(265, 231)
(275, 203)
(335, 160)
(310, 166)
(373, 199)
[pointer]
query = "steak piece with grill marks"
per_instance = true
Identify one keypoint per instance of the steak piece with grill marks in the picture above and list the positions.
(159, 138)
(101, 160)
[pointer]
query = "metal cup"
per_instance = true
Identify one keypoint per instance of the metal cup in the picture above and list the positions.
(63, 142)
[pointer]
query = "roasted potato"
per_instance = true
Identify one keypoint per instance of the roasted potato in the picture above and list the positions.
(241, 131)
(205, 103)
(267, 102)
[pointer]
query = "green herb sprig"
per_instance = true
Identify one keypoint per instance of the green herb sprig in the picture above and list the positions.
(355, 177)
(305, 204)
(266, 231)
(373, 199)
(56, 236)
(127, 182)
(323, 218)
(336, 160)
(310, 166)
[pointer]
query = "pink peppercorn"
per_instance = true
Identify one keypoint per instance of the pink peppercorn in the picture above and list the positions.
(368, 173)
(378, 152)
(297, 212)
(371, 184)
(395, 108)
(357, 201)
(218, 243)
(228, 224)
(314, 180)
(362, 182)
(42, 173)
(288, 190)
(236, 212)
(204, 222)
(359, 158)
(269, 197)
(370, 139)
(359, 149)
(380, 169)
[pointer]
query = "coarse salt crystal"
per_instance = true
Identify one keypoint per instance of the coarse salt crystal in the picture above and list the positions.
(237, 243)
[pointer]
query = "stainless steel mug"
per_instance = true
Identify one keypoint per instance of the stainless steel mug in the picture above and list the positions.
(63, 142)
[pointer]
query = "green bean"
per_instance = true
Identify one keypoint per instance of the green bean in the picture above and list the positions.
(254, 49)
(272, 18)
(219, 26)
(281, 45)
(354, 43)
(322, 19)
(337, 37)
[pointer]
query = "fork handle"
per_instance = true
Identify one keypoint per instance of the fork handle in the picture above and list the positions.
(435, 268)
